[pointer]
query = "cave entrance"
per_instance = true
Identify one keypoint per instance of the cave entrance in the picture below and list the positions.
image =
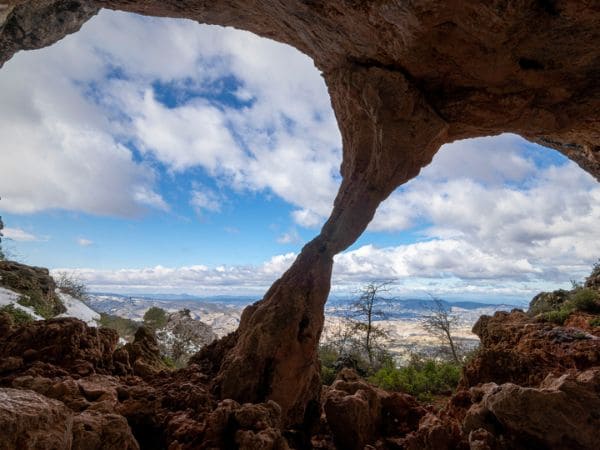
(392, 124)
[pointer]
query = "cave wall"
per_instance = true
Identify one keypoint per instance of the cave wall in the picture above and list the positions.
(404, 77)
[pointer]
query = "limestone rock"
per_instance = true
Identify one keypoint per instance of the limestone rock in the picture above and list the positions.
(31, 421)
(547, 301)
(36, 286)
(144, 353)
(183, 336)
(67, 343)
(515, 348)
(359, 414)
(93, 430)
(33, 24)
(561, 413)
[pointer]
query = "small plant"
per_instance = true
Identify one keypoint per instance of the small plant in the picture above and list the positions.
(585, 299)
(155, 318)
(169, 362)
(126, 328)
(41, 308)
(71, 285)
(558, 317)
(19, 317)
(595, 322)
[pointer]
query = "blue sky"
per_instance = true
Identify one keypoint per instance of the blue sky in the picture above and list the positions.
(158, 155)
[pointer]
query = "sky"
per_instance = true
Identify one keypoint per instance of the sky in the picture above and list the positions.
(147, 155)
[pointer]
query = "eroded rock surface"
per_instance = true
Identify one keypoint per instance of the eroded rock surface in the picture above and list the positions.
(360, 414)
(31, 421)
(560, 413)
(516, 348)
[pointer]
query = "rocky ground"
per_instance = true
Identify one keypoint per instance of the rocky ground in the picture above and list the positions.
(63, 384)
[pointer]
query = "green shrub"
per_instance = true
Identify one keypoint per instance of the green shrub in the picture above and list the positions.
(558, 317)
(422, 378)
(548, 301)
(126, 328)
(155, 318)
(169, 362)
(595, 322)
(585, 299)
(19, 317)
(40, 307)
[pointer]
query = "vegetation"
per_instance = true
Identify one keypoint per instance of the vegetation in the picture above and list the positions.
(368, 337)
(557, 306)
(126, 328)
(155, 318)
(18, 316)
(360, 344)
(595, 322)
(579, 299)
(71, 285)
(38, 304)
(441, 324)
(423, 378)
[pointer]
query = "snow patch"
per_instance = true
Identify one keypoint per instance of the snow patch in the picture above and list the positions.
(76, 308)
(8, 297)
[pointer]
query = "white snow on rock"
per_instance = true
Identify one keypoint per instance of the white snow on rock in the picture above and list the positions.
(78, 309)
(8, 297)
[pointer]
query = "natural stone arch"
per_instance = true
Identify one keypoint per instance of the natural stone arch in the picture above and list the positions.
(404, 78)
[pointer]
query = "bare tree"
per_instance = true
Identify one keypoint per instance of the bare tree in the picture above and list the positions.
(364, 311)
(440, 323)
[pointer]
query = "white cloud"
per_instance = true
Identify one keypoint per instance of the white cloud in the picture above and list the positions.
(83, 242)
(18, 234)
(70, 113)
(289, 237)
(70, 106)
(205, 200)
(58, 148)
(192, 279)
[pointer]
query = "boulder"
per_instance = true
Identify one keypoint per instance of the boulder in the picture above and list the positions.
(144, 353)
(561, 413)
(66, 343)
(31, 421)
(359, 414)
(517, 349)
(94, 430)
(36, 286)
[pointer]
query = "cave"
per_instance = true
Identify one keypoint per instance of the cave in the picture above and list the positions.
(404, 78)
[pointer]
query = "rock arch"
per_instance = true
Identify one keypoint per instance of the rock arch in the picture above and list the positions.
(404, 78)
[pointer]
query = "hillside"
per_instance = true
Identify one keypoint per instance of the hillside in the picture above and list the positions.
(533, 383)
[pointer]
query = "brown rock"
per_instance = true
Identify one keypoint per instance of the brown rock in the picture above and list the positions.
(144, 354)
(359, 414)
(67, 343)
(516, 348)
(561, 413)
(36, 286)
(30, 421)
(93, 430)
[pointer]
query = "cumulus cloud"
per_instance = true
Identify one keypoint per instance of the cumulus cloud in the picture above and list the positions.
(68, 128)
(58, 148)
(85, 124)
